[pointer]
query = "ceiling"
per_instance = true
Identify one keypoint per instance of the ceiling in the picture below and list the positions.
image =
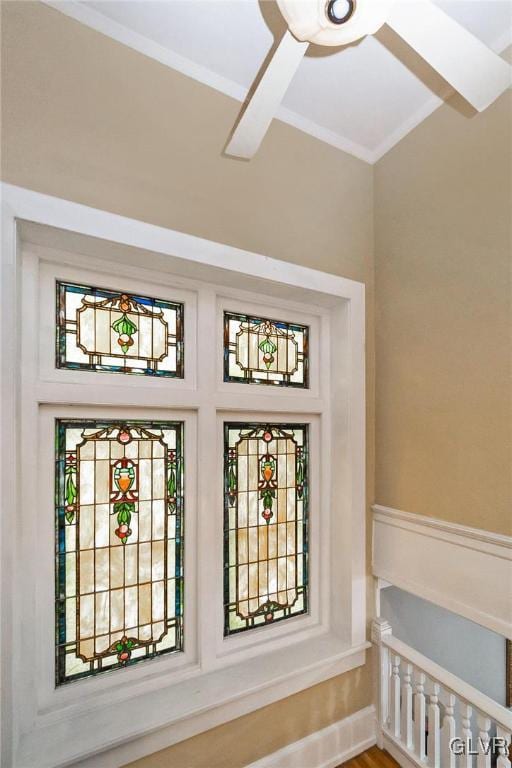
(362, 98)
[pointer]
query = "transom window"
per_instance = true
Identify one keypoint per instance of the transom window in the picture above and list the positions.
(258, 350)
(100, 330)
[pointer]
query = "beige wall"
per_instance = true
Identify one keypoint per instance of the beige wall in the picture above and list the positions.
(89, 120)
(443, 319)
(242, 741)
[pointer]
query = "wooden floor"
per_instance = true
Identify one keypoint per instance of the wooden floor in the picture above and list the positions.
(373, 758)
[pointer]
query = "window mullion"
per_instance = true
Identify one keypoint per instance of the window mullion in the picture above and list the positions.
(207, 552)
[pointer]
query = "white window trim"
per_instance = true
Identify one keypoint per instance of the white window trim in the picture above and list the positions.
(211, 686)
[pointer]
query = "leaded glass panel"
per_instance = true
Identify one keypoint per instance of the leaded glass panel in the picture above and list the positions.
(258, 350)
(119, 543)
(101, 330)
(266, 489)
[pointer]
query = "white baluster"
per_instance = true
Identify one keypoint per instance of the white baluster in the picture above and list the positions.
(380, 630)
(503, 759)
(448, 733)
(419, 716)
(434, 728)
(466, 760)
(483, 759)
(395, 696)
(406, 722)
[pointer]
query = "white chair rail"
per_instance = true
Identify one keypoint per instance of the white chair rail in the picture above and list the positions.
(429, 717)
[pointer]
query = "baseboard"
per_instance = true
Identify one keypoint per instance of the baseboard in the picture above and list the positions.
(329, 747)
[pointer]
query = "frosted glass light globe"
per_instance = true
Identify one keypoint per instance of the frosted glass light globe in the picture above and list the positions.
(340, 9)
(336, 22)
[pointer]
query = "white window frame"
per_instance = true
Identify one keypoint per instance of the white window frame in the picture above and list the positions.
(216, 678)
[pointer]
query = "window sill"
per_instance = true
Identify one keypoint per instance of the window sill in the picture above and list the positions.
(182, 709)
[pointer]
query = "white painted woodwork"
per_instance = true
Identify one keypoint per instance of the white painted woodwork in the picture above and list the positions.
(451, 683)
(214, 680)
(406, 729)
(419, 716)
(395, 695)
(448, 732)
(434, 728)
(451, 565)
(466, 759)
(483, 759)
(380, 630)
(440, 686)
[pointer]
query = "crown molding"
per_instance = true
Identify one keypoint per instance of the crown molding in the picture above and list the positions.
(169, 58)
(122, 34)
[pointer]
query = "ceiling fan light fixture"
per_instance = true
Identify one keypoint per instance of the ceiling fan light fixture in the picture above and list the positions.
(340, 11)
(334, 22)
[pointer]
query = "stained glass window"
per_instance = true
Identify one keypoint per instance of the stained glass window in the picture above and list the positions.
(265, 524)
(262, 351)
(100, 330)
(119, 544)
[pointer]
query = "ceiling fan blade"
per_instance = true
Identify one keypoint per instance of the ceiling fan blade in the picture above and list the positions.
(476, 72)
(258, 113)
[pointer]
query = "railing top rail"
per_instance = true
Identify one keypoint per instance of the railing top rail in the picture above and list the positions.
(501, 715)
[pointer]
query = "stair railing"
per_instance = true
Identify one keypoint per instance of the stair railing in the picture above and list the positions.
(429, 717)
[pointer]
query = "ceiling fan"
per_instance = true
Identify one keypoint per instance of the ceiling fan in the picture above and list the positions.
(469, 66)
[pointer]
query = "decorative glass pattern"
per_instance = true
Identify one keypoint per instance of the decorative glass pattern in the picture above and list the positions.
(119, 543)
(262, 351)
(100, 330)
(265, 523)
